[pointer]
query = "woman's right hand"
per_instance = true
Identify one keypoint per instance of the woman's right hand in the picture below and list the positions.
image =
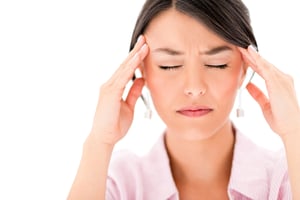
(114, 115)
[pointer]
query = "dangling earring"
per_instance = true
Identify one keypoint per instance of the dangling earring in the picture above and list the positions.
(148, 112)
(249, 76)
(240, 110)
(146, 100)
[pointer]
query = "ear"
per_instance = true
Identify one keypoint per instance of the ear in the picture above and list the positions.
(141, 71)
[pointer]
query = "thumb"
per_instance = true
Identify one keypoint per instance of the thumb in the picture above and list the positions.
(135, 92)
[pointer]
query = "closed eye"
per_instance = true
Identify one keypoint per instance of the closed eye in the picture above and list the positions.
(218, 66)
(170, 67)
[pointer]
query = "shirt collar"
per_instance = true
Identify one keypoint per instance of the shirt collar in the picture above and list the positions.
(162, 181)
(249, 173)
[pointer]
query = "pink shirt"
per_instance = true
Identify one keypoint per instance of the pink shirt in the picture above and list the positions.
(256, 174)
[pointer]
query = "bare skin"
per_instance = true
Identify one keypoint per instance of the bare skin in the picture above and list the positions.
(200, 147)
(196, 139)
(112, 120)
(281, 110)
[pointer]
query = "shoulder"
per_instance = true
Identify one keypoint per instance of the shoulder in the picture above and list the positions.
(246, 149)
(123, 160)
(122, 174)
(262, 170)
(129, 163)
(131, 176)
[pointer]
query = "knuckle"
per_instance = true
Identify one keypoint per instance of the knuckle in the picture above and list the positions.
(138, 56)
(290, 78)
(260, 59)
(106, 87)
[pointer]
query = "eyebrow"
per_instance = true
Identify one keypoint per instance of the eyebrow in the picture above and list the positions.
(209, 52)
(168, 51)
(217, 50)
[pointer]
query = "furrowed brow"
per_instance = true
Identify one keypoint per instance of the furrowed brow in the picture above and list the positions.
(168, 51)
(217, 50)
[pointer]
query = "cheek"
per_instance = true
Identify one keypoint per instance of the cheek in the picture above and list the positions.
(224, 86)
(165, 87)
(159, 84)
(164, 90)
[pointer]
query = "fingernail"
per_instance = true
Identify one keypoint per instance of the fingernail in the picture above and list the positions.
(248, 55)
(144, 47)
(253, 48)
(139, 39)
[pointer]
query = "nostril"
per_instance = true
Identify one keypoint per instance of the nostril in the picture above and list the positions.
(194, 92)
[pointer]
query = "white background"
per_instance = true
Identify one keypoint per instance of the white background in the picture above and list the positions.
(54, 55)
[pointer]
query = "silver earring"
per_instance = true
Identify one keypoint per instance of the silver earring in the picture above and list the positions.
(240, 110)
(148, 112)
(249, 76)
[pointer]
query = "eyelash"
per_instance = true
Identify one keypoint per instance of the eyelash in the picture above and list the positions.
(217, 66)
(170, 67)
(177, 66)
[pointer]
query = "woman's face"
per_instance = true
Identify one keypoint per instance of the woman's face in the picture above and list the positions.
(192, 74)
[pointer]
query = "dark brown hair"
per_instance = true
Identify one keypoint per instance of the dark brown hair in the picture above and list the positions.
(227, 18)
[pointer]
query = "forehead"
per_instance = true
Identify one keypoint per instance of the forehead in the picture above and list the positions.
(174, 28)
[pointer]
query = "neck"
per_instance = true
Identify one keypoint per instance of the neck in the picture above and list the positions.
(204, 161)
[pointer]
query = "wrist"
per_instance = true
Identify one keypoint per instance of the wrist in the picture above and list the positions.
(291, 137)
(95, 143)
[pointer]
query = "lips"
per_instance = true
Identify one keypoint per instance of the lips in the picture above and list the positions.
(195, 111)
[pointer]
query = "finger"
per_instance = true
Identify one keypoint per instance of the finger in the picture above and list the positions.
(125, 72)
(258, 95)
(138, 46)
(247, 56)
(249, 60)
(135, 92)
(264, 68)
(140, 42)
(258, 63)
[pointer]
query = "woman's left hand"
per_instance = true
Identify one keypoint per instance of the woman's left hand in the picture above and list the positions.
(280, 108)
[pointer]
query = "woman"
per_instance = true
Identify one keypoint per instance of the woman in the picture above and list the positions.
(193, 56)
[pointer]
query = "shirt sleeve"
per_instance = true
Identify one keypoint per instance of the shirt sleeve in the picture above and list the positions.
(285, 189)
(280, 182)
(124, 177)
(112, 192)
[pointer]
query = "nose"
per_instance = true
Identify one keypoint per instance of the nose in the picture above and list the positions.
(194, 82)
(194, 92)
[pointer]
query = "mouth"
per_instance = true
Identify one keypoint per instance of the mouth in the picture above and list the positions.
(194, 111)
